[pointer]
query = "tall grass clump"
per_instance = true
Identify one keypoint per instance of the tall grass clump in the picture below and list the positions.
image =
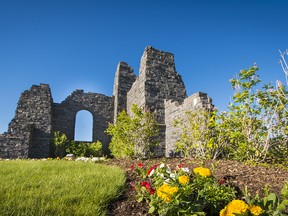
(57, 187)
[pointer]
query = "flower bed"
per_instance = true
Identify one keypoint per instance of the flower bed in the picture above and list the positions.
(148, 181)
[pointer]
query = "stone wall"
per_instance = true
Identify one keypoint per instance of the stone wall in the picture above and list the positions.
(175, 110)
(100, 106)
(158, 80)
(13, 146)
(124, 79)
(33, 113)
(158, 88)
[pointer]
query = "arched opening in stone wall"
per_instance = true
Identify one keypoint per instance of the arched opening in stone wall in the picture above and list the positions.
(83, 126)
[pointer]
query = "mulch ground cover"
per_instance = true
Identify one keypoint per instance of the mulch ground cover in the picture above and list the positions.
(240, 175)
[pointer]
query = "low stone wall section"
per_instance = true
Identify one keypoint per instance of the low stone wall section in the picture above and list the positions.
(175, 110)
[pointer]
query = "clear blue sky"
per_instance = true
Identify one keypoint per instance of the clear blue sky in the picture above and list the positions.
(71, 44)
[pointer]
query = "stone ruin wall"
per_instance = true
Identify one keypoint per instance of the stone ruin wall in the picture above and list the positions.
(158, 80)
(158, 87)
(123, 81)
(175, 110)
(29, 132)
(100, 106)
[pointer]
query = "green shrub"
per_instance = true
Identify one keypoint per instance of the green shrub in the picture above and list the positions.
(133, 137)
(59, 143)
(198, 138)
(95, 149)
(254, 128)
(63, 146)
(84, 149)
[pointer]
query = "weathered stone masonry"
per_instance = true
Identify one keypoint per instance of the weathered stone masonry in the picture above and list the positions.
(158, 87)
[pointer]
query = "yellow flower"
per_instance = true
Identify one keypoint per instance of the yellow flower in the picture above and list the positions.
(202, 171)
(183, 179)
(255, 210)
(165, 192)
(223, 212)
(234, 207)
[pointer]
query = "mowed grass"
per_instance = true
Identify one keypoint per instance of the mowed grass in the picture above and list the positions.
(57, 187)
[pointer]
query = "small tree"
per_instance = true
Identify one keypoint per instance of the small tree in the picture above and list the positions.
(133, 136)
(256, 121)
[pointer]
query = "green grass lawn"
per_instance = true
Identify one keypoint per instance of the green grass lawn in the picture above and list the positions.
(57, 187)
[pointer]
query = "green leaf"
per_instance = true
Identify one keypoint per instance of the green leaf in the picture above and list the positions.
(151, 209)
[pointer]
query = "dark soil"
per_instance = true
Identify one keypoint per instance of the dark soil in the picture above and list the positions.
(238, 174)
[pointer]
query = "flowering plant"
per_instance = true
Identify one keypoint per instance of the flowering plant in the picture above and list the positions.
(270, 204)
(239, 207)
(181, 191)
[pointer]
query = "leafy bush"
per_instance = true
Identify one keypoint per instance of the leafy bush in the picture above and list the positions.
(83, 149)
(181, 192)
(133, 136)
(255, 126)
(63, 146)
(197, 136)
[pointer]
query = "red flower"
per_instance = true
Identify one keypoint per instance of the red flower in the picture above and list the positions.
(146, 184)
(152, 168)
(148, 187)
(132, 167)
(151, 190)
(180, 166)
(222, 181)
(140, 165)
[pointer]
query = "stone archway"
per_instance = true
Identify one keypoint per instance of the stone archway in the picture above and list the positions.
(100, 106)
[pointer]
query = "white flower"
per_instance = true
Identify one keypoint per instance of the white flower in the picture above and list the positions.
(172, 175)
(162, 165)
(151, 173)
(166, 181)
(185, 169)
